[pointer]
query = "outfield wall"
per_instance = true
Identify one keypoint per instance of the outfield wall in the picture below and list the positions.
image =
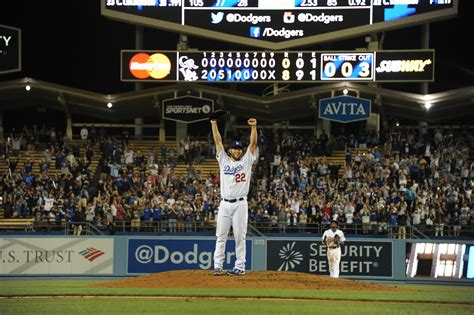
(385, 259)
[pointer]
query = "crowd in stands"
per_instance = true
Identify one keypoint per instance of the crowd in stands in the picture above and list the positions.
(392, 180)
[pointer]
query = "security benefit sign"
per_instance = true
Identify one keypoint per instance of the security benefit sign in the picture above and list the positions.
(10, 49)
(358, 258)
(344, 109)
(153, 255)
(56, 256)
(187, 109)
(405, 66)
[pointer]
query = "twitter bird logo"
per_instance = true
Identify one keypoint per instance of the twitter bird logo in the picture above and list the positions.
(216, 18)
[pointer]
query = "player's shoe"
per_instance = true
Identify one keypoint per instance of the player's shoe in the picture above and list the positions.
(218, 272)
(236, 272)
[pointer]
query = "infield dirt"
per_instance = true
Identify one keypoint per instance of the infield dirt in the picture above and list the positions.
(253, 279)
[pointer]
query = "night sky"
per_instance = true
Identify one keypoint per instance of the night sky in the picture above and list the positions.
(68, 42)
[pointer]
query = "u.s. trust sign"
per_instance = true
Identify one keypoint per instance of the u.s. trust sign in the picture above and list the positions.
(344, 109)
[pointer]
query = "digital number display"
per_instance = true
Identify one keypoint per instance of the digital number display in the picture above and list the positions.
(249, 66)
(347, 66)
(278, 24)
(281, 66)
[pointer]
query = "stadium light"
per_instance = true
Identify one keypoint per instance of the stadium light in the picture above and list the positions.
(28, 87)
(428, 106)
(427, 97)
(397, 124)
(109, 105)
(345, 91)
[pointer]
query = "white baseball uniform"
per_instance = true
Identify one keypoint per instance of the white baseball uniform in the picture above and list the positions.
(233, 208)
(333, 251)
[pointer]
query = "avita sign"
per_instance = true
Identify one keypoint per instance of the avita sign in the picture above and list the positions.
(344, 109)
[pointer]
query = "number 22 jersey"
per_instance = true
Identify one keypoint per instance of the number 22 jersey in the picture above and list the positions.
(235, 175)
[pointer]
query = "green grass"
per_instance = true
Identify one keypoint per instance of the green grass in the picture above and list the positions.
(197, 307)
(219, 307)
(459, 300)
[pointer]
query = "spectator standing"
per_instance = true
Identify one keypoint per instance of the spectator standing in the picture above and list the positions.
(365, 214)
(393, 222)
(302, 221)
(402, 223)
(77, 220)
(84, 134)
(282, 221)
(16, 143)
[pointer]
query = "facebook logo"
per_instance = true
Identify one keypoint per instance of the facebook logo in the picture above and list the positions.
(255, 31)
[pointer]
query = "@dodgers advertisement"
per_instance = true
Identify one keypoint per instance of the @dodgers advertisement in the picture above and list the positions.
(357, 258)
(155, 255)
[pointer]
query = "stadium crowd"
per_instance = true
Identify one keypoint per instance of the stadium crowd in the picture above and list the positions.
(391, 181)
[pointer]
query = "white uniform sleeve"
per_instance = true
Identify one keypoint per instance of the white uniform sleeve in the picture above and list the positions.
(221, 157)
(342, 237)
(323, 239)
(249, 157)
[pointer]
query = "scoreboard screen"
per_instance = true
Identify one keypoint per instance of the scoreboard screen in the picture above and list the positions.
(278, 24)
(278, 66)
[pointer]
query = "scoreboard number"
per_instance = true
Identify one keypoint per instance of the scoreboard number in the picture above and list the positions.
(347, 66)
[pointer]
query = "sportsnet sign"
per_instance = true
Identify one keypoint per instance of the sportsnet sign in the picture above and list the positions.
(344, 109)
(405, 66)
(187, 109)
(157, 255)
(366, 258)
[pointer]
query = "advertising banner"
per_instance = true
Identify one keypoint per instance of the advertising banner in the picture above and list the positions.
(372, 259)
(439, 260)
(10, 49)
(345, 109)
(187, 109)
(56, 256)
(405, 65)
(157, 255)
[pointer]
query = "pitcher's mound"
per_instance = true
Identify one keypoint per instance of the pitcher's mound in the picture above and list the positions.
(253, 279)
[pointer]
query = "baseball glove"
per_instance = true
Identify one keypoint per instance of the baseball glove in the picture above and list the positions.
(218, 114)
(337, 240)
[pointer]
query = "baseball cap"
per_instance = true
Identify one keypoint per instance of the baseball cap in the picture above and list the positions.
(235, 145)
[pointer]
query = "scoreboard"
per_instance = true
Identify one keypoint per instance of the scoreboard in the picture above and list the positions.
(278, 24)
(278, 66)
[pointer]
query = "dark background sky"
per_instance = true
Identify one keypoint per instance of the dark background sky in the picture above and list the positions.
(68, 42)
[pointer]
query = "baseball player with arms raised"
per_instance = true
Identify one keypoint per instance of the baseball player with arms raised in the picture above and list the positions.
(333, 239)
(235, 172)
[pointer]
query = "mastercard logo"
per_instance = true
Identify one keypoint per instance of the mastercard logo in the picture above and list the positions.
(143, 66)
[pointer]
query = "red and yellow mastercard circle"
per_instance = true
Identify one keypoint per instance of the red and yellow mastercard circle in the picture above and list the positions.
(143, 66)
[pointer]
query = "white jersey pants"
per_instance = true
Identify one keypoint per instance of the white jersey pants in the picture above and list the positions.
(236, 215)
(334, 258)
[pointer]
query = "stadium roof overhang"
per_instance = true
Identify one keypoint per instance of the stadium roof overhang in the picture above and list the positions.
(286, 106)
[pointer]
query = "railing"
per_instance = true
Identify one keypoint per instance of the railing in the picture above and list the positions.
(91, 228)
(254, 229)
(85, 228)
(165, 226)
(372, 230)
(416, 233)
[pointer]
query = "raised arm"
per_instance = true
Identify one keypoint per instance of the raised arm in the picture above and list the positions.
(253, 135)
(217, 137)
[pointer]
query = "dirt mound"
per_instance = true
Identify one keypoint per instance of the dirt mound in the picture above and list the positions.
(253, 279)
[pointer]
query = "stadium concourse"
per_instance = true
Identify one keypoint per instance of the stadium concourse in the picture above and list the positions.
(398, 182)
